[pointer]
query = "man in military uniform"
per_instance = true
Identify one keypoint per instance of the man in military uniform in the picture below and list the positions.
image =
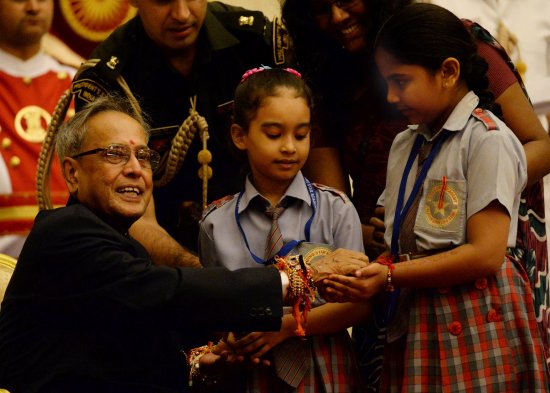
(172, 51)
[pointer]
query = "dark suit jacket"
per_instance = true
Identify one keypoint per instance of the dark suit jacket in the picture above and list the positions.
(86, 310)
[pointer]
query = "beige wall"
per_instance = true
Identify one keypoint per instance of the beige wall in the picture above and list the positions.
(269, 7)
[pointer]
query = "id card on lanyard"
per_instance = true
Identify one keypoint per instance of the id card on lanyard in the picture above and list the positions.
(287, 247)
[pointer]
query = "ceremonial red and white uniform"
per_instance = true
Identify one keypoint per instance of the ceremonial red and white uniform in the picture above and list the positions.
(29, 92)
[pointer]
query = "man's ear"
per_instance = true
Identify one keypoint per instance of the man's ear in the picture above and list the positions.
(238, 136)
(450, 71)
(70, 170)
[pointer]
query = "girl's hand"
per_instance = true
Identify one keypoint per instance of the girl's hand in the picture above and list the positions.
(221, 358)
(255, 345)
(368, 282)
(259, 343)
(225, 357)
(377, 221)
(373, 233)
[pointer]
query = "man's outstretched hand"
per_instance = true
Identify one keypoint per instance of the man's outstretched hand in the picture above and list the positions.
(341, 261)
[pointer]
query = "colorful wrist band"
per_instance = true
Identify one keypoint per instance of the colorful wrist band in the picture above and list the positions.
(387, 261)
(301, 289)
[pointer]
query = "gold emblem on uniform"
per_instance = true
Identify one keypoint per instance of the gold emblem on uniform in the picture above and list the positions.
(27, 80)
(441, 204)
(6, 143)
(280, 41)
(87, 89)
(31, 123)
(246, 20)
(113, 62)
(15, 162)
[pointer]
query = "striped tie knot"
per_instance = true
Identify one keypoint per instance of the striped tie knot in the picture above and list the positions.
(275, 238)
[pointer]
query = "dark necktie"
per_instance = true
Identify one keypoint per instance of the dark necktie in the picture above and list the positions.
(275, 238)
(291, 360)
(407, 238)
(290, 357)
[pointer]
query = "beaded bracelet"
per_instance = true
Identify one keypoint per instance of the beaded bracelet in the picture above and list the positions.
(195, 374)
(301, 288)
(387, 261)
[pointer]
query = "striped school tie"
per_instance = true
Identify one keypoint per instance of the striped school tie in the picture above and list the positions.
(290, 357)
(275, 238)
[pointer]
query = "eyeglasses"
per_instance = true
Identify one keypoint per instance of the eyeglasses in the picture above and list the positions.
(324, 8)
(120, 154)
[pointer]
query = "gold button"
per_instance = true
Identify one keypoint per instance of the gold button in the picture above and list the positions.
(62, 75)
(27, 80)
(15, 162)
(6, 143)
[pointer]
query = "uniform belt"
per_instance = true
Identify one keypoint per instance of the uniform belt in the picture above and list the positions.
(420, 254)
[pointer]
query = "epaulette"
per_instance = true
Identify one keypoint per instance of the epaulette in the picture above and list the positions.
(332, 190)
(483, 116)
(102, 72)
(239, 20)
(216, 205)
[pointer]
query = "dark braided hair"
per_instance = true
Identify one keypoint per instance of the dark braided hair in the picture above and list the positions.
(426, 35)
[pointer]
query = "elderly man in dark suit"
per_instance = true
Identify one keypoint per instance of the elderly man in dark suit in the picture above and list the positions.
(86, 309)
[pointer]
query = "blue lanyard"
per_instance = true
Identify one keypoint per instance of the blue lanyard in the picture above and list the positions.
(287, 247)
(400, 210)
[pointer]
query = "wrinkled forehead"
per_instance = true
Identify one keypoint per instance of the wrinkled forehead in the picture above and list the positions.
(110, 127)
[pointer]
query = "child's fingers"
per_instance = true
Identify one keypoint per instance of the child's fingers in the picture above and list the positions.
(250, 344)
(249, 339)
(264, 349)
(335, 280)
(345, 289)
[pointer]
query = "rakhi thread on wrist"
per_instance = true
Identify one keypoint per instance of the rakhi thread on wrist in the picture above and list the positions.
(301, 288)
(193, 361)
(387, 260)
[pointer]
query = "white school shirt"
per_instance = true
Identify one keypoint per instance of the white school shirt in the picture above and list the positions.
(221, 243)
(480, 166)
